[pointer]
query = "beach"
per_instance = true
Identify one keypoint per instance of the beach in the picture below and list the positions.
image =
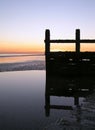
(47, 65)
(32, 100)
(17, 62)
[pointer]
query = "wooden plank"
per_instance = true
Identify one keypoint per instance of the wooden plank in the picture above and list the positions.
(72, 41)
(63, 41)
(61, 107)
(87, 41)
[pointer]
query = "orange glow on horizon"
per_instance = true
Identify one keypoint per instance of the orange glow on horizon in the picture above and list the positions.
(12, 47)
(6, 47)
(71, 47)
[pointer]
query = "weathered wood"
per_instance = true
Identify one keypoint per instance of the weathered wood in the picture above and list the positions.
(69, 62)
(47, 41)
(63, 41)
(61, 107)
(87, 41)
(72, 41)
(59, 86)
(77, 41)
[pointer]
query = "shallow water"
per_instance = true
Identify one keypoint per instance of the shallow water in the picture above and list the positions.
(16, 58)
(14, 62)
(24, 106)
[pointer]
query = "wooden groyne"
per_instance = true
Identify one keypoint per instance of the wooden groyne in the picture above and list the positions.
(75, 87)
(69, 63)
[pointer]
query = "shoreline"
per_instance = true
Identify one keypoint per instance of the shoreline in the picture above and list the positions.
(22, 66)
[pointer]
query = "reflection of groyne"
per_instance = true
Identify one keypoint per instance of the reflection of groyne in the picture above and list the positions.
(69, 62)
(67, 87)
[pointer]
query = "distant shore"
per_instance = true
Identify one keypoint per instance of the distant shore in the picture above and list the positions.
(33, 65)
(19, 55)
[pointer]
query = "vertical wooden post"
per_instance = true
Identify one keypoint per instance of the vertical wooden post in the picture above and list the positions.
(77, 40)
(47, 41)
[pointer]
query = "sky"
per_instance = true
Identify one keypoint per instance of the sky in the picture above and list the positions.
(23, 23)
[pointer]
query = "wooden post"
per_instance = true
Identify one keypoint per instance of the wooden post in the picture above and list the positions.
(77, 40)
(47, 41)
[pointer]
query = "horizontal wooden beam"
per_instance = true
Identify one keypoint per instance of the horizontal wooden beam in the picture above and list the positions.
(72, 41)
(87, 41)
(62, 41)
(61, 107)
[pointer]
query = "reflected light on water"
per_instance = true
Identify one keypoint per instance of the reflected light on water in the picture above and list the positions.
(20, 59)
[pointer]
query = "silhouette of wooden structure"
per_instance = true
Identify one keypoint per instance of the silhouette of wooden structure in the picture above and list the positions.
(66, 63)
(67, 87)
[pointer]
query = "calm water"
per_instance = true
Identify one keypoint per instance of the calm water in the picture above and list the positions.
(15, 58)
(31, 101)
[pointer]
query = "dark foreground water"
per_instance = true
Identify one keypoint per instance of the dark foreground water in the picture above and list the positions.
(31, 101)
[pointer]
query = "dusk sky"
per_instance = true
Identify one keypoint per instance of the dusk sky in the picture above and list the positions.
(23, 22)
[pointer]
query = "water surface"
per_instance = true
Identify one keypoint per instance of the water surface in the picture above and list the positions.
(24, 105)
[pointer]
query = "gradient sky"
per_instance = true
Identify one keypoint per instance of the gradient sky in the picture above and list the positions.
(23, 22)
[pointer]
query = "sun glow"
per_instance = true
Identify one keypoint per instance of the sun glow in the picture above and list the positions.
(13, 47)
(62, 47)
(71, 47)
